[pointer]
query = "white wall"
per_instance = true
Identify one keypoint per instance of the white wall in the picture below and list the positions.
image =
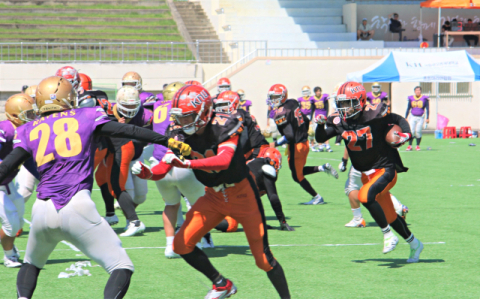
(350, 17)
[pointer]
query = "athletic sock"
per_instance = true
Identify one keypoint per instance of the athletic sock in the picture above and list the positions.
(27, 280)
(377, 213)
(400, 226)
(170, 241)
(126, 203)
(412, 241)
(117, 284)
(199, 260)
(307, 187)
(279, 281)
(387, 233)
(357, 213)
(310, 169)
(419, 140)
(108, 199)
(410, 142)
(9, 252)
(220, 281)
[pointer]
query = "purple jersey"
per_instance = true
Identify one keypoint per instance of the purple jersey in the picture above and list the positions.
(160, 97)
(7, 134)
(271, 112)
(418, 104)
(147, 96)
(321, 104)
(63, 146)
(245, 105)
(161, 120)
(372, 99)
(305, 105)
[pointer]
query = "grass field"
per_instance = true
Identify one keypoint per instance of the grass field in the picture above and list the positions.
(441, 189)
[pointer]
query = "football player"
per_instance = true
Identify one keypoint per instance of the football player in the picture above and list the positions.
(419, 104)
(134, 79)
(223, 84)
(219, 163)
(177, 181)
(72, 75)
(377, 96)
(85, 81)
(306, 108)
(293, 125)
(61, 141)
(244, 103)
(18, 110)
(113, 175)
(363, 127)
(271, 129)
(320, 102)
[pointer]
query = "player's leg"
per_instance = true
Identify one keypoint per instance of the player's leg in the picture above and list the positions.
(140, 186)
(338, 140)
(19, 203)
(25, 183)
(352, 187)
(247, 209)
(102, 177)
(400, 209)
(227, 225)
(418, 130)
(412, 121)
(9, 218)
(83, 226)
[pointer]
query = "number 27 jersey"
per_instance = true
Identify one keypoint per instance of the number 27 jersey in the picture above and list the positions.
(63, 146)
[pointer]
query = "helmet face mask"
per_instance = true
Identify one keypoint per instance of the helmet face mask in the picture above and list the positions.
(133, 79)
(306, 92)
(347, 108)
(376, 88)
(128, 101)
(20, 109)
(71, 74)
(223, 84)
(192, 108)
(277, 95)
(241, 94)
(227, 102)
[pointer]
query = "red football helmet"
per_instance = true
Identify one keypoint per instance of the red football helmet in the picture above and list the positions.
(275, 157)
(351, 99)
(70, 74)
(277, 95)
(223, 84)
(193, 82)
(85, 81)
(192, 108)
(227, 102)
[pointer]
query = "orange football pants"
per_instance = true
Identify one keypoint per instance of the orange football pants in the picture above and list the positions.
(242, 203)
(297, 158)
(115, 168)
(376, 186)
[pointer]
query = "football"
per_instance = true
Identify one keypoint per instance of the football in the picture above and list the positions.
(390, 137)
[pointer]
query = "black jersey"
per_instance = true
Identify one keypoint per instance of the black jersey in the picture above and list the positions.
(291, 122)
(262, 178)
(255, 136)
(220, 129)
(365, 137)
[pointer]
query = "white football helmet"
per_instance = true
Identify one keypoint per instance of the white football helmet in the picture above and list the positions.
(128, 101)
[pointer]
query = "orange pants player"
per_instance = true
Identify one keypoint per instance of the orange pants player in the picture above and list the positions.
(297, 158)
(242, 203)
(376, 186)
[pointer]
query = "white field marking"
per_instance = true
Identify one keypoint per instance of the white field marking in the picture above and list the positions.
(64, 242)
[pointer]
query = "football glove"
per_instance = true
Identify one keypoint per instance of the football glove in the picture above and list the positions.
(320, 119)
(183, 148)
(404, 137)
(173, 160)
(343, 165)
(141, 170)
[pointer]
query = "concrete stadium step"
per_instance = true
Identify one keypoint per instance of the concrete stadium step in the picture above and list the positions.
(346, 36)
(77, 19)
(80, 10)
(318, 21)
(314, 12)
(312, 3)
(350, 44)
(86, 26)
(252, 28)
(323, 28)
(84, 2)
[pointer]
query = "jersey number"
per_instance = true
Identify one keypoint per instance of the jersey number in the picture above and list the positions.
(352, 137)
(319, 105)
(67, 142)
(417, 104)
(160, 114)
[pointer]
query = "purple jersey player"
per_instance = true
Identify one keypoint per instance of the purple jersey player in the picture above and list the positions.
(320, 102)
(306, 105)
(376, 96)
(244, 104)
(418, 104)
(147, 99)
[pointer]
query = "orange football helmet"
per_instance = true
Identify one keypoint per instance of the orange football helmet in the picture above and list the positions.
(277, 95)
(351, 99)
(193, 82)
(227, 102)
(71, 74)
(192, 108)
(223, 84)
(275, 157)
(85, 81)
(306, 91)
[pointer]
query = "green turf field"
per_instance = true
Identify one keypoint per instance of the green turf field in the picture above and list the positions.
(441, 189)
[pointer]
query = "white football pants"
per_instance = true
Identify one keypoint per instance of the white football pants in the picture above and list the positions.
(136, 187)
(416, 125)
(12, 208)
(25, 183)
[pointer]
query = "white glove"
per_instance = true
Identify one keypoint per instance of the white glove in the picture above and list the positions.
(343, 165)
(141, 170)
(320, 119)
(137, 167)
(171, 158)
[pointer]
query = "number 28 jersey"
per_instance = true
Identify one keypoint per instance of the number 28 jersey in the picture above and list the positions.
(365, 138)
(63, 146)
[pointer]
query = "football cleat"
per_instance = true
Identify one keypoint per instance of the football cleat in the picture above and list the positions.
(356, 223)
(329, 150)
(389, 244)
(134, 228)
(170, 254)
(207, 241)
(317, 200)
(314, 149)
(337, 144)
(11, 261)
(409, 148)
(404, 211)
(112, 220)
(415, 253)
(222, 292)
(321, 149)
(417, 148)
(284, 226)
(328, 169)
(117, 206)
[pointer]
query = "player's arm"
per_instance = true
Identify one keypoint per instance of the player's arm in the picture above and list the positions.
(155, 173)
(393, 118)
(343, 165)
(409, 107)
(12, 161)
(326, 106)
(322, 134)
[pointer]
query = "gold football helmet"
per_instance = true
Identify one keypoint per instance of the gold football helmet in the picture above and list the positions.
(55, 94)
(306, 91)
(19, 109)
(133, 79)
(376, 87)
(171, 90)
(31, 91)
(241, 93)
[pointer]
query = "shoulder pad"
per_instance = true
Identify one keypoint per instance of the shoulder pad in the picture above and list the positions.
(226, 125)
(269, 171)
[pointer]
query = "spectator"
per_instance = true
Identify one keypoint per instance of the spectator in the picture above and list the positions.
(365, 31)
(469, 38)
(447, 27)
(396, 25)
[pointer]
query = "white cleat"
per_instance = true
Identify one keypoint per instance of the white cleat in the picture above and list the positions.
(112, 220)
(328, 169)
(415, 253)
(11, 261)
(117, 206)
(389, 244)
(356, 223)
(317, 200)
(134, 228)
(222, 292)
(170, 254)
